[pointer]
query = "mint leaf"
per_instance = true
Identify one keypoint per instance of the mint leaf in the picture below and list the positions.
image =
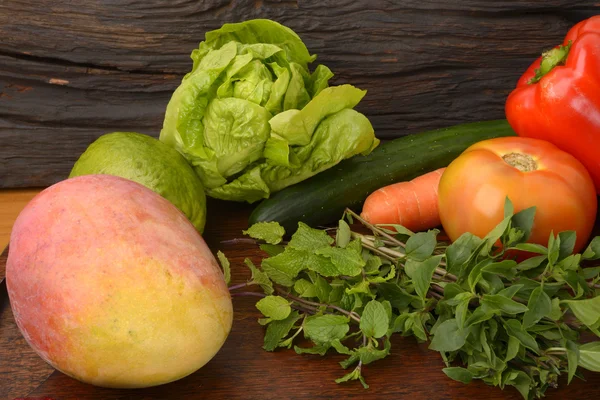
(539, 306)
(504, 304)
(322, 287)
(274, 307)
(277, 276)
(346, 261)
(380, 279)
(343, 234)
(367, 354)
(225, 265)
(291, 262)
(421, 273)
(589, 356)
(307, 238)
(272, 249)
(304, 288)
(325, 328)
(374, 320)
(319, 349)
(339, 347)
(458, 374)
(448, 337)
(361, 287)
(270, 232)
(354, 375)
(259, 277)
(277, 330)
(515, 329)
(373, 264)
(421, 245)
(322, 266)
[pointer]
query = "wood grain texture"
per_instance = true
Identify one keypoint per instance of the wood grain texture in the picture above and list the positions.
(70, 72)
(12, 202)
(242, 370)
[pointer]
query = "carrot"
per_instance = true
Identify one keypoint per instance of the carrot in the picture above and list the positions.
(412, 204)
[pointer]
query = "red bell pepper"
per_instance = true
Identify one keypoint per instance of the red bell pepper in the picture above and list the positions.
(558, 98)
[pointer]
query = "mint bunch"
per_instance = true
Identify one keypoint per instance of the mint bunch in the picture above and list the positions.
(490, 317)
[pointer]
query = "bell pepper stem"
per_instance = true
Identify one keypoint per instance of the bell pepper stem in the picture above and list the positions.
(550, 59)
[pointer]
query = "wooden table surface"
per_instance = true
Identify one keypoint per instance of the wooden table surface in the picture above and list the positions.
(242, 370)
(12, 202)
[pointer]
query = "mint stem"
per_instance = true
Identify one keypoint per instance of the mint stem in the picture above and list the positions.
(241, 285)
(350, 314)
(256, 294)
(375, 229)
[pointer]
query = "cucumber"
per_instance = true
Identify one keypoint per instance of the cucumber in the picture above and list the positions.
(321, 200)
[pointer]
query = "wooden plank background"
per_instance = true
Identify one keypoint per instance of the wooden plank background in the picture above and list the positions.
(71, 71)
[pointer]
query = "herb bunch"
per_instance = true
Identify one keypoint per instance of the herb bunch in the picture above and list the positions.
(491, 317)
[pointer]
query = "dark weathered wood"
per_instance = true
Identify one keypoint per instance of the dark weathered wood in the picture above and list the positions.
(242, 370)
(71, 71)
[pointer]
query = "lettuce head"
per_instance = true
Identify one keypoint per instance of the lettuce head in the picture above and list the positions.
(251, 118)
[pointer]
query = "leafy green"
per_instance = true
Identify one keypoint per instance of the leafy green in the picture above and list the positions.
(307, 238)
(251, 118)
(274, 307)
(277, 330)
(421, 245)
(490, 317)
(587, 311)
(326, 328)
(459, 374)
(448, 337)
(374, 321)
(422, 272)
(539, 306)
(589, 356)
(270, 232)
(225, 265)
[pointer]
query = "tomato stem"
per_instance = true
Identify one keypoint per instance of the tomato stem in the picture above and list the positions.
(520, 161)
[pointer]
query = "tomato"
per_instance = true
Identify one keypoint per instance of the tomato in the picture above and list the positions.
(531, 172)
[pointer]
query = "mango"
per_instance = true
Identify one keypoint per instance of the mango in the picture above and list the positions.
(111, 284)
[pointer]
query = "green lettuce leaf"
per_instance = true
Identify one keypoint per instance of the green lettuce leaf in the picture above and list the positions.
(251, 118)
